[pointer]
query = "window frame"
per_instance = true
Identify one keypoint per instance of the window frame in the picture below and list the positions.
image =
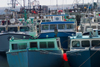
(45, 24)
(75, 40)
(33, 42)
(63, 28)
(69, 24)
(46, 45)
(18, 46)
(94, 40)
(85, 40)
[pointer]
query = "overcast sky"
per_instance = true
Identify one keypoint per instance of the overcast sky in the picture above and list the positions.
(3, 3)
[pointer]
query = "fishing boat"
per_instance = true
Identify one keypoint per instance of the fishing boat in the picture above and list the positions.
(90, 21)
(39, 20)
(59, 28)
(18, 30)
(84, 49)
(35, 53)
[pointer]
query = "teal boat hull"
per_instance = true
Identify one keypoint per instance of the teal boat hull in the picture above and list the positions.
(84, 58)
(35, 58)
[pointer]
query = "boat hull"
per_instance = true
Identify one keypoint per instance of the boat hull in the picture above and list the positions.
(84, 58)
(3, 60)
(35, 59)
(62, 35)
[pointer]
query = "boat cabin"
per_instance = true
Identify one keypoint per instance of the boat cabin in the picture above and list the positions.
(60, 25)
(35, 44)
(83, 42)
(14, 28)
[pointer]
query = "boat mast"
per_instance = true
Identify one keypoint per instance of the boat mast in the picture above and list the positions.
(29, 5)
(83, 5)
(63, 5)
(57, 5)
(24, 3)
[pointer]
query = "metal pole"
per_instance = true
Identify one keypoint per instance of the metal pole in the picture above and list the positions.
(93, 3)
(83, 5)
(57, 5)
(63, 5)
(24, 3)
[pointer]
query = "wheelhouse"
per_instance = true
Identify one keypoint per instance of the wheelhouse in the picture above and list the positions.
(14, 28)
(84, 42)
(61, 26)
(36, 44)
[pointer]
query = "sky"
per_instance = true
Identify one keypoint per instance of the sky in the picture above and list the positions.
(4, 3)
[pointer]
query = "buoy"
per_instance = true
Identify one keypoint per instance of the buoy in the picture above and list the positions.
(65, 57)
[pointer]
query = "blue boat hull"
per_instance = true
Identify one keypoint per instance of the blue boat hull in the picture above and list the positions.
(3, 60)
(87, 58)
(63, 37)
(35, 59)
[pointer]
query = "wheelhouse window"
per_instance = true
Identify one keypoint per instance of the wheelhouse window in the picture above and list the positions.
(33, 45)
(52, 26)
(94, 27)
(95, 43)
(19, 46)
(2, 29)
(22, 45)
(47, 20)
(61, 26)
(69, 26)
(43, 45)
(50, 44)
(45, 27)
(75, 43)
(43, 20)
(98, 20)
(14, 47)
(98, 27)
(12, 29)
(47, 45)
(22, 29)
(85, 43)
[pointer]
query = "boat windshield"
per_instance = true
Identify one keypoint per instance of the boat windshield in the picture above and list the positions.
(47, 45)
(94, 27)
(52, 26)
(45, 27)
(85, 43)
(48, 21)
(19, 46)
(23, 29)
(95, 43)
(2, 29)
(69, 26)
(75, 43)
(12, 29)
(43, 20)
(98, 27)
(61, 26)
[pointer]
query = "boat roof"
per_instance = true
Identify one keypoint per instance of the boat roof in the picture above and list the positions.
(58, 22)
(25, 40)
(58, 15)
(84, 37)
